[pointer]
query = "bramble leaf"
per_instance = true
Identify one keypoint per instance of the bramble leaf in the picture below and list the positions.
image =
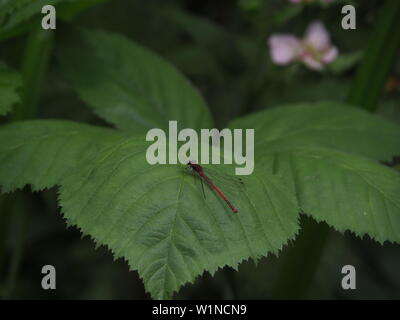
(157, 218)
(154, 216)
(41, 152)
(347, 191)
(327, 154)
(327, 124)
(130, 86)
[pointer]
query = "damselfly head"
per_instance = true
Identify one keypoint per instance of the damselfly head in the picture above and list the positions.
(195, 167)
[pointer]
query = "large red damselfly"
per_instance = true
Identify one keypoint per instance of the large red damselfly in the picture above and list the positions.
(199, 171)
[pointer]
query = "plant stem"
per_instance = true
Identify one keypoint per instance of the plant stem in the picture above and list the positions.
(34, 66)
(302, 260)
(4, 223)
(20, 223)
(381, 53)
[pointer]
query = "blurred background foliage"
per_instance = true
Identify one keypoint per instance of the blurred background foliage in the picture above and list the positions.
(222, 47)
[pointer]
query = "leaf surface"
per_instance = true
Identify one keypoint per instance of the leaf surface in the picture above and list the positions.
(130, 86)
(347, 191)
(327, 154)
(326, 124)
(41, 152)
(156, 217)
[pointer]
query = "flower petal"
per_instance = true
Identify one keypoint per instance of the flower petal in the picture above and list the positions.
(317, 36)
(312, 63)
(284, 48)
(330, 55)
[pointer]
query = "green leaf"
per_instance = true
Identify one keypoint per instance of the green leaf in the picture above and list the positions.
(68, 10)
(202, 30)
(129, 86)
(41, 152)
(328, 124)
(10, 81)
(327, 154)
(157, 218)
(20, 11)
(390, 109)
(287, 13)
(347, 191)
(9, 7)
(304, 91)
(18, 16)
(345, 62)
(154, 216)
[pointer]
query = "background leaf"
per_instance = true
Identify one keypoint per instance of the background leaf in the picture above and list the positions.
(345, 62)
(130, 86)
(10, 81)
(19, 16)
(41, 152)
(23, 10)
(9, 7)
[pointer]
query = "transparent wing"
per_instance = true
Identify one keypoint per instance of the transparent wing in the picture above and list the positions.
(227, 183)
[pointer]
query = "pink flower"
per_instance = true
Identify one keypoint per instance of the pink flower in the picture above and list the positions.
(317, 47)
(314, 50)
(284, 48)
